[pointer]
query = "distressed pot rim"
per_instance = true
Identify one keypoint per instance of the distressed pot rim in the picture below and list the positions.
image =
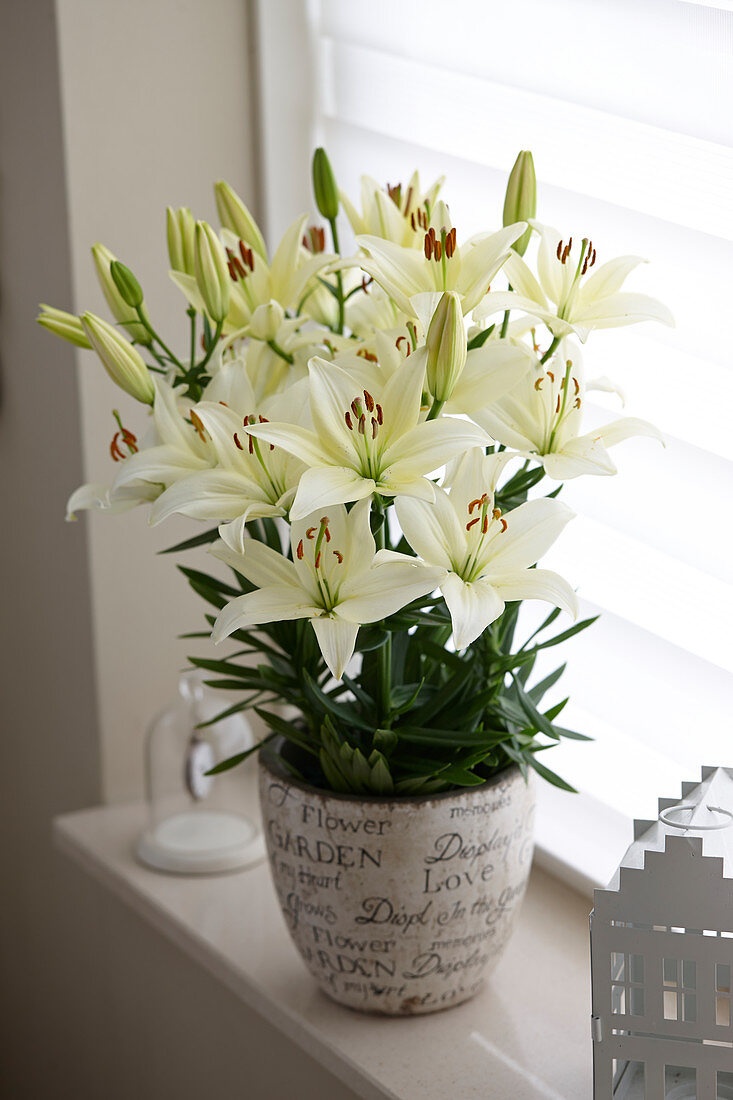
(269, 759)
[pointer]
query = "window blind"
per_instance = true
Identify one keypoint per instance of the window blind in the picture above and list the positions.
(627, 108)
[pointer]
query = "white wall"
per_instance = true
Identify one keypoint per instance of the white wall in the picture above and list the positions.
(141, 133)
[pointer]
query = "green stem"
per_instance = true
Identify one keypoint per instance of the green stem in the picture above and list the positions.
(551, 350)
(384, 699)
(192, 314)
(280, 351)
(435, 409)
(339, 279)
(212, 348)
(145, 322)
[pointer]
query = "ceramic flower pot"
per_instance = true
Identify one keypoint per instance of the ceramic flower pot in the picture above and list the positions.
(401, 905)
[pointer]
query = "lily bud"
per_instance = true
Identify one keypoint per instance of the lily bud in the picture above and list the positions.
(180, 232)
(446, 344)
(234, 215)
(324, 185)
(66, 325)
(121, 360)
(520, 203)
(266, 320)
(129, 288)
(212, 273)
(121, 310)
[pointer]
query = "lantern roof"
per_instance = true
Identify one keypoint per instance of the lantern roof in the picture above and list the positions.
(685, 851)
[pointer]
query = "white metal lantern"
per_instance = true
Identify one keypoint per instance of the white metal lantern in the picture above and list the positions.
(662, 954)
(196, 824)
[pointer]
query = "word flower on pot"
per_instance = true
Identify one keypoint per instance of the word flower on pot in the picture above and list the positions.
(365, 438)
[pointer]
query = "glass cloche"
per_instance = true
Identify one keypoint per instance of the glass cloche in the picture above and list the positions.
(196, 825)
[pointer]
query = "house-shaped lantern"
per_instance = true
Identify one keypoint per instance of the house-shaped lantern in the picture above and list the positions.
(662, 954)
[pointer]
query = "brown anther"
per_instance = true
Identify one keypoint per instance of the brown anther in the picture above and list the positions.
(247, 257)
(504, 524)
(263, 419)
(412, 221)
(240, 268)
(576, 383)
(559, 250)
(355, 408)
(251, 445)
(475, 503)
(224, 404)
(593, 260)
(364, 354)
(339, 556)
(496, 513)
(471, 522)
(437, 250)
(375, 428)
(198, 426)
(538, 383)
(318, 559)
(369, 401)
(349, 424)
(576, 403)
(379, 414)
(311, 532)
(408, 200)
(232, 272)
(551, 376)
(566, 253)
(299, 551)
(428, 246)
(114, 449)
(362, 425)
(484, 525)
(399, 340)
(557, 407)
(237, 444)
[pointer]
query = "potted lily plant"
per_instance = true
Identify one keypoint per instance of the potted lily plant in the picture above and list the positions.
(367, 437)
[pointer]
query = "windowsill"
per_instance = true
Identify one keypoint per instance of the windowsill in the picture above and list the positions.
(526, 1035)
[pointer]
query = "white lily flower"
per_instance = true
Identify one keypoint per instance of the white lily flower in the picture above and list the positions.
(182, 445)
(396, 214)
(441, 265)
(543, 417)
(567, 296)
(332, 580)
(252, 479)
(486, 557)
(367, 443)
(255, 283)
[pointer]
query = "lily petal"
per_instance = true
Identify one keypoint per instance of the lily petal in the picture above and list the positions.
(336, 640)
(430, 445)
(322, 486)
(385, 589)
(213, 494)
(532, 529)
(259, 563)
(472, 608)
(433, 530)
(265, 605)
(536, 584)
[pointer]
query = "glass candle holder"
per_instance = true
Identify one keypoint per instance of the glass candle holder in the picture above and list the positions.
(196, 824)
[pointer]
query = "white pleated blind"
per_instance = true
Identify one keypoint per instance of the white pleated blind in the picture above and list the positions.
(628, 109)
